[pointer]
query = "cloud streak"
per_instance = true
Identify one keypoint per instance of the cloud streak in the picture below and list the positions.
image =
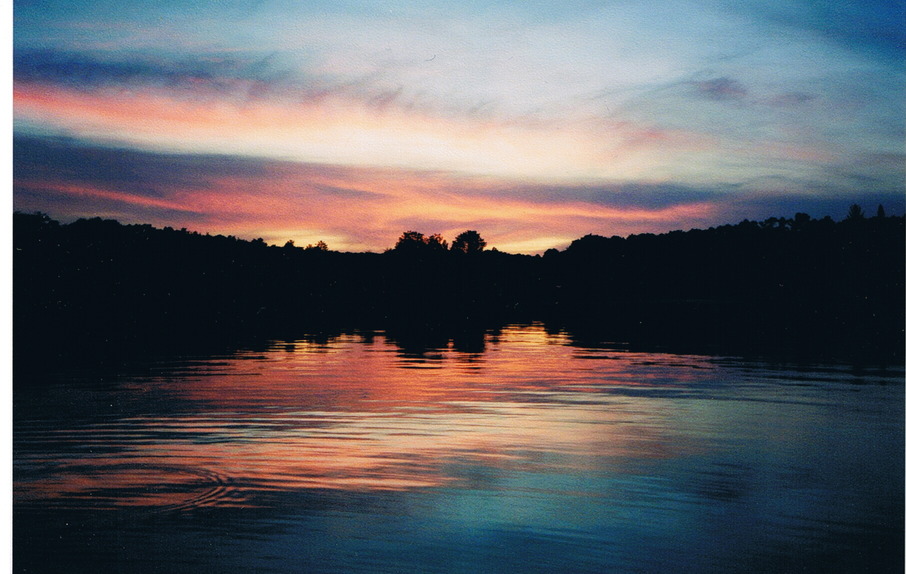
(576, 118)
(359, 209)
(362, 209)
(722, 89)
(348, 132)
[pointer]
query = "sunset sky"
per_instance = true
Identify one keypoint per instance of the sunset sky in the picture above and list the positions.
(533, 122)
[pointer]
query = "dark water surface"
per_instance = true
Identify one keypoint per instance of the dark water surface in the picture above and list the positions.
(517, 453)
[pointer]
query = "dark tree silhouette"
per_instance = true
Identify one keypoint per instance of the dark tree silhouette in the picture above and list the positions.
(881, 213)
(417, 242)
(800, 221)
(437, 242)
(781, 283)
(410, 241)
(855, 213)
(468, 242)
(319, 246)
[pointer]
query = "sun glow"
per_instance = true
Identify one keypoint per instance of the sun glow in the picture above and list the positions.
(352, 209)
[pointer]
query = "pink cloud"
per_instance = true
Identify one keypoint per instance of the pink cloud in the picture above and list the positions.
(364, 209)
(345, 129)
(90, 192)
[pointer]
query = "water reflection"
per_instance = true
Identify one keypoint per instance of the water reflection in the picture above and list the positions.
(357, 413)
(523, 436)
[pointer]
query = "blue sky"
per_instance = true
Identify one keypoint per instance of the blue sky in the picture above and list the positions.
(534, 122)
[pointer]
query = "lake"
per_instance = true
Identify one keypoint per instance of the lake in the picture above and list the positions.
(517, 451)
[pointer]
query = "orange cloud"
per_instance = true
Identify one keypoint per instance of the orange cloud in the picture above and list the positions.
(343, 131)
(304, 207)
(352, 209)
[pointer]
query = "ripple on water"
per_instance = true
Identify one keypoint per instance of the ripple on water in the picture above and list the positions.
(159, 488)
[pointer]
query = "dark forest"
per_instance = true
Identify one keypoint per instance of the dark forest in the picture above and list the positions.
(796, 288)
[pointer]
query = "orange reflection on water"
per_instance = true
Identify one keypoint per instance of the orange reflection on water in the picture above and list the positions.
(355, 414)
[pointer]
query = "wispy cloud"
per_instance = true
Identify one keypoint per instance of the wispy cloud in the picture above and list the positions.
(347, 131)
(721, 89)
(367, 208)
(211, 76)
(609, 116)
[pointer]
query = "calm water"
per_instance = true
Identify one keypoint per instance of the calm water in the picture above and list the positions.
(517, 453)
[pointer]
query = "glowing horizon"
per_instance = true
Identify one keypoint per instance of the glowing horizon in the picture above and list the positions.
(533, 124)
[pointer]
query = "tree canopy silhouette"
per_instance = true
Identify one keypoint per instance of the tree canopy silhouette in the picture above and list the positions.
(319, 246)
(417, 242)
(436, 242)
(782, 281)
(468, 242)
(410, 241)
(855, 213)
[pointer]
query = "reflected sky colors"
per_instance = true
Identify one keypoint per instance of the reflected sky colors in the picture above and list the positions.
(518, 452)
(534, 122)
(352, 414)
(362, 412)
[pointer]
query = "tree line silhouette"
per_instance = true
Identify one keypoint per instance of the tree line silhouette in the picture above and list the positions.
(416, 242)
(780, 285)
